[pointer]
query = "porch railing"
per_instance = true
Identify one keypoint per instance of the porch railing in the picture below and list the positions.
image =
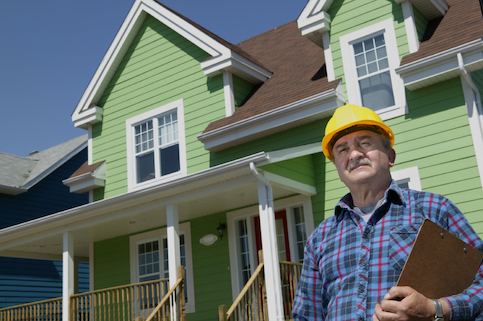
(172, 306)
(50, 310)
(251, 303)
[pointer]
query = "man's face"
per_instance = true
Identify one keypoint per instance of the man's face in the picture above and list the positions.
(361, 158)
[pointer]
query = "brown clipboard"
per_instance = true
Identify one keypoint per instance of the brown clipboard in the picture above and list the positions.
(439, 264)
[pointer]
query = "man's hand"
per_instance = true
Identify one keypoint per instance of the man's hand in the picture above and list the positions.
(404, 303)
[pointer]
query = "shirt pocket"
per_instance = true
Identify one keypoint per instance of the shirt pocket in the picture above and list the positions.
(401, 240)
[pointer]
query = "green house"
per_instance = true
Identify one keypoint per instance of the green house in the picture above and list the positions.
(202, 152)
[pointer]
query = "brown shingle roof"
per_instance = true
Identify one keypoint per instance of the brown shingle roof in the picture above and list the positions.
(462, 23)
(86, 168)
(298, 68)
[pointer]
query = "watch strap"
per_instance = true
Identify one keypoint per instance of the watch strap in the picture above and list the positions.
(439, 311)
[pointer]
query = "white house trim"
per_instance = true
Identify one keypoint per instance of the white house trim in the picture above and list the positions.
(329, 61)
(353, 93)
(408, 175)
(410, 25)
(475, 114)
(221, 56)
(430, 9)
(441, 66)
(314, 21)
(228, 92)
(303, 111)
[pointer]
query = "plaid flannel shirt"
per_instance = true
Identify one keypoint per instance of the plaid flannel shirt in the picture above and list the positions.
(350, 265)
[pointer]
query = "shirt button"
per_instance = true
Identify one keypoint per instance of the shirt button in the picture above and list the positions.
(361, 318)
(361, 288)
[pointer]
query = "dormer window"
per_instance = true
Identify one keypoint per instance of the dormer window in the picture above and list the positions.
(370, 57)
(155, 148)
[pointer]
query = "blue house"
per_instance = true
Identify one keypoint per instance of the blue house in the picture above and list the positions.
(31, 187)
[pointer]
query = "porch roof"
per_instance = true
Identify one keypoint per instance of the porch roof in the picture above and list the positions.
(221, 188)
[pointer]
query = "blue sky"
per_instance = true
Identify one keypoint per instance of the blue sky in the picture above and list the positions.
(50, 49)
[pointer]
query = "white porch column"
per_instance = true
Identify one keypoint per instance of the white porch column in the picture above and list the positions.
(67, 273)
(174, 256)
(269, 247)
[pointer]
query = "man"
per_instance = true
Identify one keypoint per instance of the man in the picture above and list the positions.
(353, 259)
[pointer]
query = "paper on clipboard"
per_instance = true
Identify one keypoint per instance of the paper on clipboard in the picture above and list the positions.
(439, 264)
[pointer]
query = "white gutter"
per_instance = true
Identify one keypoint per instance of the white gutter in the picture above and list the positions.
(467, 77)
(269, 246)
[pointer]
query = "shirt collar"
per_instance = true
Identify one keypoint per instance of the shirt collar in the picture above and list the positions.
(393, 194)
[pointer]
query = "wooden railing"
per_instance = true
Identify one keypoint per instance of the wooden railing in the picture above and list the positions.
(50, 310)
(290, 274)
(251, 303)
(120, 303)
(172, 306)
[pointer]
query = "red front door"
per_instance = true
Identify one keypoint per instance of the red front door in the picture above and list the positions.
(282, 235)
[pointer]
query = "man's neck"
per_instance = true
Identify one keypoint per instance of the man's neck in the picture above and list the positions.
(367, 194)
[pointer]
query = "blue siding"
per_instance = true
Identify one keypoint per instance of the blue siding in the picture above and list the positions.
(26, 280)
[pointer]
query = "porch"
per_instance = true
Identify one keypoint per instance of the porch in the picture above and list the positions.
(155, 300)
(144, 301)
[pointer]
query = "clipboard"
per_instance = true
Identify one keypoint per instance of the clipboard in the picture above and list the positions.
(439, 264)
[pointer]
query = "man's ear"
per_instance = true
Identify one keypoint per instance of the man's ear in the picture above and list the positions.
(392, 157)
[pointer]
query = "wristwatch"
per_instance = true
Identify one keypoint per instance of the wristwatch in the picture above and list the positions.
(439, 311)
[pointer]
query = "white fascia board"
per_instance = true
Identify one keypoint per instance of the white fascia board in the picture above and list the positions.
(430, 9)
(121, 205)
(89, 117)
(291, 153)
(236, 64)
(123, 40)
(313, 107)
(290, 184)
(441, 66)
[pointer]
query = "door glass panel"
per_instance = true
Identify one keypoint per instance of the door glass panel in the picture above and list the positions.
(282, 253)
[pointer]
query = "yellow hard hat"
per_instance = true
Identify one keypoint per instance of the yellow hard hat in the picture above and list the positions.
(349, 116)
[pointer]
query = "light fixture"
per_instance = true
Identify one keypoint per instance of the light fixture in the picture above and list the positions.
(221, 228)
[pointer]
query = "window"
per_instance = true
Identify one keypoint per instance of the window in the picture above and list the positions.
(408, 178)
(370, 57)
(300, 233)
(156, 145)
(149, 258)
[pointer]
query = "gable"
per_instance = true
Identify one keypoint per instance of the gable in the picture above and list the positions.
(222, 56)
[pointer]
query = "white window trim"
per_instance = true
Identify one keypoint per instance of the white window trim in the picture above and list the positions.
(250, 212)
(131, 161)
(352, 87)
(184, 229)
(409, 175)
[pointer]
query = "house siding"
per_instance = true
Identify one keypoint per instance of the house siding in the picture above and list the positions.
(112, 263)
(344, 13)
(241, 89)
(421, 23)
(27, 280)
(300, 169)
(160, 67)
(435, 136)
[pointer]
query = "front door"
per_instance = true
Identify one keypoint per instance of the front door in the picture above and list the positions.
(282, 235)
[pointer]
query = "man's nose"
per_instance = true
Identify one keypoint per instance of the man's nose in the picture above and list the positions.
(355, 152)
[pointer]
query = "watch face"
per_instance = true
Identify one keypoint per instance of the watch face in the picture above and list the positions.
(438, 319)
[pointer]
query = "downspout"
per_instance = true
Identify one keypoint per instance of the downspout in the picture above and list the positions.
(269, 246)
(475, 114)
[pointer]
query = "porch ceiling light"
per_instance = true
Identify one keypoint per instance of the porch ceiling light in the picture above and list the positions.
(208, 239)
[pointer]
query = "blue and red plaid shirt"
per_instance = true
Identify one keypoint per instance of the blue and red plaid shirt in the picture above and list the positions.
(350, 265)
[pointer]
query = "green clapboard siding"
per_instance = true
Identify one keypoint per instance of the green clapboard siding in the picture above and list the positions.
(111, 267)
(160, 67)
(211, 268)
(351, 15)
(300, 169)
(241, 89)
(421, 23)
(435, 136)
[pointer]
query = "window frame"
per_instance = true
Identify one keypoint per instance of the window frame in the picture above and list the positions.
(354, 96)
(132, 122)
(160, 234)
(408, 175)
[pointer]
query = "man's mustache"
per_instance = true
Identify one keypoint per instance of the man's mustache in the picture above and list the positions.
(354, 163)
